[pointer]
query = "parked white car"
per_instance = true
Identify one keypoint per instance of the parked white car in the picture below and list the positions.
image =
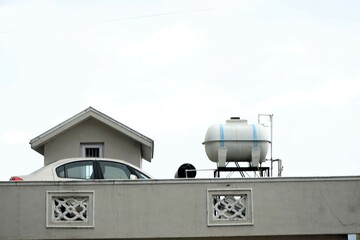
(85, 169)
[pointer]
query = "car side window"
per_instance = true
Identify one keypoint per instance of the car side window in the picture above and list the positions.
(78, 170)
(113, 170)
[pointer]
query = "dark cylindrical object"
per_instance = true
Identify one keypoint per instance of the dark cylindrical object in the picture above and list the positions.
(186, 170)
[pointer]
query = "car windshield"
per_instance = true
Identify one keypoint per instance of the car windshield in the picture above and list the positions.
(141, 175)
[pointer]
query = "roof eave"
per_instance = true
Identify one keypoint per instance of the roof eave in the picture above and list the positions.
(146, 143)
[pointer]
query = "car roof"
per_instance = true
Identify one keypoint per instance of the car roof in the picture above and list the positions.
(67, 160)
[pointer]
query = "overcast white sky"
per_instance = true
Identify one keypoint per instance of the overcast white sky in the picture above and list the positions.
(170, 69)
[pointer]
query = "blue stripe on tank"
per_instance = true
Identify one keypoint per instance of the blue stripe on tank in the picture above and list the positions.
(222, 135)
(254, 135)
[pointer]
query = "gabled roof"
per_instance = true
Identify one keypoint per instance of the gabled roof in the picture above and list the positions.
(147, 144)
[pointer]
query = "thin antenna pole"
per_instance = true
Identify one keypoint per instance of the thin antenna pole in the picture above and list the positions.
(271, 145)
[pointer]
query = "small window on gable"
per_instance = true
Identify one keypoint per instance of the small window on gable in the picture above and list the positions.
(92, 150)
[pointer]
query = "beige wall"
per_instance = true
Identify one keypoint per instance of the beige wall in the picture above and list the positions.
(116, 145)
(286, 208)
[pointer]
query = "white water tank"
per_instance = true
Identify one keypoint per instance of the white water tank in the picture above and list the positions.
(237, 141)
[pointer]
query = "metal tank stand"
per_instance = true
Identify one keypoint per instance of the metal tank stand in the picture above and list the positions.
(263, 171)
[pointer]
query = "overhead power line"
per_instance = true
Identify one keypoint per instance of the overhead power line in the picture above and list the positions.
(161, 14)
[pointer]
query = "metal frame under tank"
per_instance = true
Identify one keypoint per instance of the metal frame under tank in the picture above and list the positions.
(263, 171)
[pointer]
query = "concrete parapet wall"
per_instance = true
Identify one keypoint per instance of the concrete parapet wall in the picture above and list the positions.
(320, 208)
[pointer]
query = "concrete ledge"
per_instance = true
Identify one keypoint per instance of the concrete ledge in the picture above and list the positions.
(316, 207)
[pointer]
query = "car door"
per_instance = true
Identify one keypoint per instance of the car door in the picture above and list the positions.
(79, 170)
(113, 170)
(116, 170)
